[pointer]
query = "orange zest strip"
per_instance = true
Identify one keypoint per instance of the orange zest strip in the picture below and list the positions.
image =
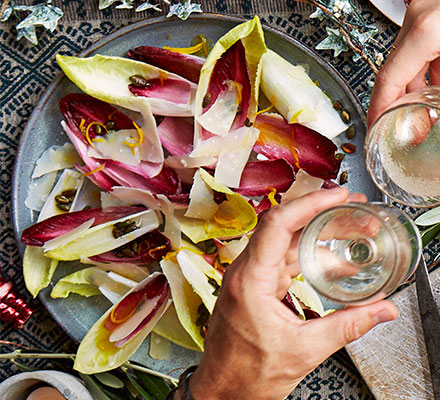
(190, 50)
(163, 76)
(99, 140)
(239, 92)
(271, 197)
(139, 142)
(152, 252)
(88, 128)
(119, 321)
(94, 171)
(272, 105)
(173, 254)
(81, 125)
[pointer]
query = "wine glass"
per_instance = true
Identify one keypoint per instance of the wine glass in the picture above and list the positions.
(402, 149)
(359, 252)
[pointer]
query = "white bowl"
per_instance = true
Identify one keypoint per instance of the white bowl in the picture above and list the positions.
(18, 387)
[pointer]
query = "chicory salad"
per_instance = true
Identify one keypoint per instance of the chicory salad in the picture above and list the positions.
(172, 161)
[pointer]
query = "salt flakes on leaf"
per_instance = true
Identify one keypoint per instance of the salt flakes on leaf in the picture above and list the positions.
(234, 217)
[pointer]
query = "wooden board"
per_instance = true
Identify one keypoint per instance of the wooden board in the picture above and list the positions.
(392, 357)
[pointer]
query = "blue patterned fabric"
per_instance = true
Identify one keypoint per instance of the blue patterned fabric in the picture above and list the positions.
(25, 72)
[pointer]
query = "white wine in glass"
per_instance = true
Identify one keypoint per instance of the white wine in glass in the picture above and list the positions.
(402, 149)
(359, 252)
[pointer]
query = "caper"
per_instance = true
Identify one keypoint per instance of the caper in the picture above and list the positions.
(117, 233)
(248, 122)
(69, 193)
(61, 199)
(98, 130)
(128, 252)
(339, 156)
(211, 249)
(344, 177)
(239, 109)
(119, 254)
(350, 133)
(337, 105)
(110, 125)
(206, 100)
(139, 81)
(64, 207)
(345, 116)
(135, 247)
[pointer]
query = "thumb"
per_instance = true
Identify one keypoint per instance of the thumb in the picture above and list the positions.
(346, 326)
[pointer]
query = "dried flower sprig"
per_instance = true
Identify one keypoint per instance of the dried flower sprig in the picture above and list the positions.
(351, 31)
(131, 381)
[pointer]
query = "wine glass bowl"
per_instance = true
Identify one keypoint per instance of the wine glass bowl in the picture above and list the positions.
(402, 149)
(360, 252)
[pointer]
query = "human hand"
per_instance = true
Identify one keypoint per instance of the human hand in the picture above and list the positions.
(256, 347)
(417, 51)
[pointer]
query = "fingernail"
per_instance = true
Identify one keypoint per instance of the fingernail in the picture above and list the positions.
(383, 316)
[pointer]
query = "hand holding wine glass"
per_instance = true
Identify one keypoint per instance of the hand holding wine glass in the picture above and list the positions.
(258, 342)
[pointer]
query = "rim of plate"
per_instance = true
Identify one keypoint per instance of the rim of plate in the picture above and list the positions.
(33, 119)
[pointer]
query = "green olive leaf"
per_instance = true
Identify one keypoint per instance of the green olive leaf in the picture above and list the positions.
(109, 380)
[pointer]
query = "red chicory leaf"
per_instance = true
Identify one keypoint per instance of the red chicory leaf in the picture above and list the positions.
(176, 135)
(300, 146)
(43, 231)
(231, 67)
(259, 177)
(185, 65)
(165, 89)
(149, 247)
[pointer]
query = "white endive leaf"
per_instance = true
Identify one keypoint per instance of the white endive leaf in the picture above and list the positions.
(160, 348)
(196, 269)
(37, 269)
(186, 301)
(106, 78)
(68, 180)
(99, 239)
(296, 96)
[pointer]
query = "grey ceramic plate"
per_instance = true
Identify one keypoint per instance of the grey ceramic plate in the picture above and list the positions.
(77, 314)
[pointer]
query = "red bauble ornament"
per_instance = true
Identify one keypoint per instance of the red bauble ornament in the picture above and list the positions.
(13, 308)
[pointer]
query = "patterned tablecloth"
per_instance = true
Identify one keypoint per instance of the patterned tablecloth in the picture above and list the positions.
(25, 72)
